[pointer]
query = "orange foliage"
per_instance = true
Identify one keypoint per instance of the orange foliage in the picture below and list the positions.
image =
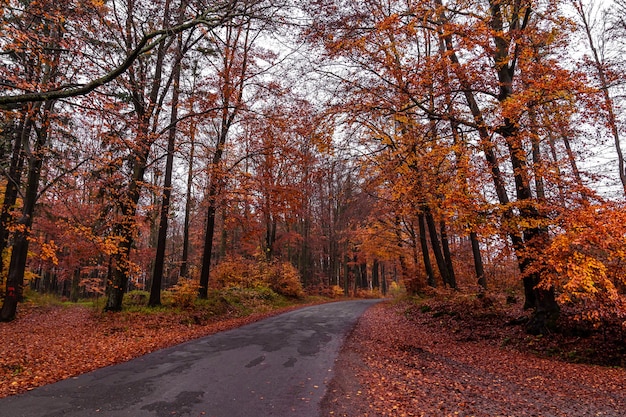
(238, 272)
(586, 262)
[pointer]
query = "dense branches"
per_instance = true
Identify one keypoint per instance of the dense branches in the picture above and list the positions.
(428, 143)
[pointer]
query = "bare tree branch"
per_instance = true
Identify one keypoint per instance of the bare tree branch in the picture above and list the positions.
(211, 19)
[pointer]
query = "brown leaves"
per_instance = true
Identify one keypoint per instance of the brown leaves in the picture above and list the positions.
(407, 363)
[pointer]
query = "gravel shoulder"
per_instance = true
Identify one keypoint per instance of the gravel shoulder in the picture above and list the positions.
(399, 362)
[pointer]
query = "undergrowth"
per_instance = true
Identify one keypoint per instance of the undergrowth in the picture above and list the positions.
(499, 317)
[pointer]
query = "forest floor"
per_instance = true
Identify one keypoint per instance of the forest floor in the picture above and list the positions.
(434, 357)
(464, 358)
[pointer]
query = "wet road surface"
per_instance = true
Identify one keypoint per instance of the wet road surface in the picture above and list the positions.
(275, 367)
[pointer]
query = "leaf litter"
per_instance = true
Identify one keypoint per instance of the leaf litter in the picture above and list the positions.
(401, 360)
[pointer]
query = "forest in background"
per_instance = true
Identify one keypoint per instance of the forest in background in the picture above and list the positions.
(325, 144)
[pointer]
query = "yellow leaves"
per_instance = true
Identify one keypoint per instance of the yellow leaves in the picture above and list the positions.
(49, 252)
(108, 245)
(45, 250)
(584, 274)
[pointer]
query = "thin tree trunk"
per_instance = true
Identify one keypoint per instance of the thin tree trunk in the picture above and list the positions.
(428, 266)
(184, 264)
(447, 255)
(232, 96)
(604, 88)
(461, 163)
(409, 281)
(159, 259)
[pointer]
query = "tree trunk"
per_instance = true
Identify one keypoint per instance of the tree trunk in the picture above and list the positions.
(13, 181)
(447, 256)
(505, 67)
(203, 292)
(159, 259)
(19, 254)
(410, 284)
(534, 238)
(478, 261)
(428, 266)
(609, 106)
(146, 107)
(232, 90)
(375, 274)
(436, 247)
(75, 290)
(184, 267)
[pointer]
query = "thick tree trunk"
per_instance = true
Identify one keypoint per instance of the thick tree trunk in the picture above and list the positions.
(75, 289)
(19, 254)
(478, 261)
(447, 256)
(505, 67)
(116, 286)
(535, 238)
(13, 181)
(209, 232)
(118, 281)
(375, 274)
(15, 278)
(436, 246)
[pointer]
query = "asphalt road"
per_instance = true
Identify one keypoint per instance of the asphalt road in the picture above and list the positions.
(275, 367)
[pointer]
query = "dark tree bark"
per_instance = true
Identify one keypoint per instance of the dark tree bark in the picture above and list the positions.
(412, 287)
(233, 81)
(21, 135)
(19, 254)
(447, 256)
(436, 246)
(430, 273)
(534, 238)
(184, 267)
(210, 19)
(530, 239)
(209, 231)
(478, 261)
(159, 259)
(75, 289)
(375, 274)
